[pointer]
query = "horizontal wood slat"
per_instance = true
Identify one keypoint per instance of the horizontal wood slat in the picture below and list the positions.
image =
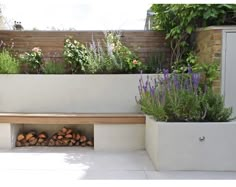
(22, 118)
(142, 42)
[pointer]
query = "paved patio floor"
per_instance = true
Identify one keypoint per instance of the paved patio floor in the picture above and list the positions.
(72, 164)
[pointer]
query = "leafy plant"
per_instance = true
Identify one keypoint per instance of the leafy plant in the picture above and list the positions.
(33, 60)
(210, 72)
(191, 61)
(8, 64)
(51, 67)
(75, 55)
(216, 111)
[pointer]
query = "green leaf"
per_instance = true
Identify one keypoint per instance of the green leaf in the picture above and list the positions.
(189, 29)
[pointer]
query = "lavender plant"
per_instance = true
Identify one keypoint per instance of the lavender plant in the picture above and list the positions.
(152, 101)
(179, 97)
(52, 67)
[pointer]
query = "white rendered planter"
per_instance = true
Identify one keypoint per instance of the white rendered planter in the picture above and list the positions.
(69, 93)
(74, 94)
(191, 146)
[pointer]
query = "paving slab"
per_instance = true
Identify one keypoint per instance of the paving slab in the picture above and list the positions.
(75, 163)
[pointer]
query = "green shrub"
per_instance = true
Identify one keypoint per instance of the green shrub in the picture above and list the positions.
(51, 67)
(75, 55)
(8, 64)
(215, 109)
(32, 60)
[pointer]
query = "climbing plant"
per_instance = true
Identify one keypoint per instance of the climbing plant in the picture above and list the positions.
(179, 21)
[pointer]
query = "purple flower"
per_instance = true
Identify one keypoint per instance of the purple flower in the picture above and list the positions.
(165, 72)
(195, 80)
(153, 89)
(145, 89)
(176, 81)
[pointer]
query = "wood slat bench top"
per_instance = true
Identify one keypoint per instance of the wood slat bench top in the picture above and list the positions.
(71, 118)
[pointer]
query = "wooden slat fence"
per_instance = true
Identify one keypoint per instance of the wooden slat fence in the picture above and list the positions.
(144, 43)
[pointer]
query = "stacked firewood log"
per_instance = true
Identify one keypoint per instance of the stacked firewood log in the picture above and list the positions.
(31, 138)
(64, 137)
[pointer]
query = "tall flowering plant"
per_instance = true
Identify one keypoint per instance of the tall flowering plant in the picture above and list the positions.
(179, 97)
(122, 55)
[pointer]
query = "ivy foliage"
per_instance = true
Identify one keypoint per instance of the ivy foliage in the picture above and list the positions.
(179, 21)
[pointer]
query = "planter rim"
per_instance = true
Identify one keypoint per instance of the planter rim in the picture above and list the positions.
(190, 123)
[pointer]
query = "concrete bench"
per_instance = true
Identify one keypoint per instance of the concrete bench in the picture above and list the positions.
(111, 131)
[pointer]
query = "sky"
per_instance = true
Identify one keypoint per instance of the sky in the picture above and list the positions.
(83, 14)
(77, 14)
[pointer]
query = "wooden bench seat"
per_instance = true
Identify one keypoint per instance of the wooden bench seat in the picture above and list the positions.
(71, 118)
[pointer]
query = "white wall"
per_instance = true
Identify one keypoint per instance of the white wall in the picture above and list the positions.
(229, 68)
(69, 93)
(176, 146)
(119, 137)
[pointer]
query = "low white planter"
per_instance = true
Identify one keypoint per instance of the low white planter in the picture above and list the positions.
(191, 146)
(69, 93)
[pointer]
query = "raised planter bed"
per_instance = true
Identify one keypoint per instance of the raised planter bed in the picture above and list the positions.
(191, 146)
(69, 93)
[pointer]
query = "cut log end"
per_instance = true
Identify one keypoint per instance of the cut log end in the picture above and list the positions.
(20, 136)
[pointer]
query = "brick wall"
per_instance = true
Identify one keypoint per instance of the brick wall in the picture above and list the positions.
(209, 47)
